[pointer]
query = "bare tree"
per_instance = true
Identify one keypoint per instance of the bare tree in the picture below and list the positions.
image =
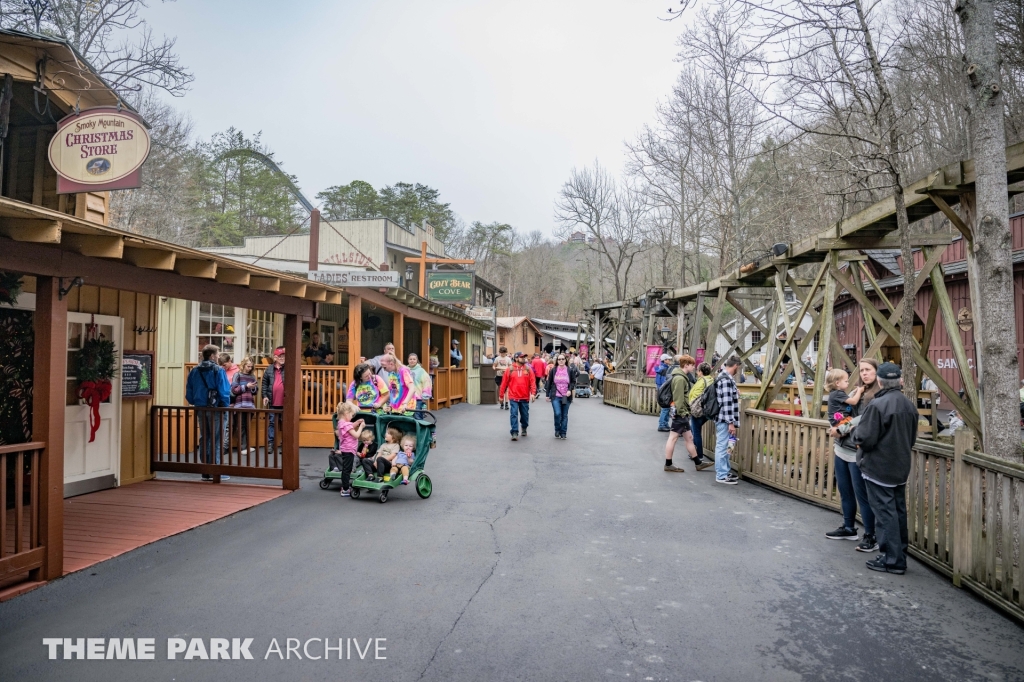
(118, 43)
(991, 259)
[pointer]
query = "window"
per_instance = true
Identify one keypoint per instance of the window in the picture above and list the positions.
(814, 343)
(526, 332)
(217, 326)
(260, 335)
(501, 338)
(755, 337)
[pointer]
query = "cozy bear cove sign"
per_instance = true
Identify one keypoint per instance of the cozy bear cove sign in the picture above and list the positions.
(99, 149)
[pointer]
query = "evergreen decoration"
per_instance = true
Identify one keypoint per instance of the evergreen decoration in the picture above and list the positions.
(10, 287)
(97, 360)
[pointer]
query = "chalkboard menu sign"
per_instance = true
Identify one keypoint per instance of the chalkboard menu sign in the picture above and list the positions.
(136, 374)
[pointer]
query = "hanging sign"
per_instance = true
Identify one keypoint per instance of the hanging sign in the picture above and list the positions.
(99, 149)
(450, 286)
(387, 279)
(653, 357)
(136, 374)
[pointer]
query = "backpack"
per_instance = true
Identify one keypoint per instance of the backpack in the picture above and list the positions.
(665, 394)
(709, 401)
(212, 395)
(697, 404)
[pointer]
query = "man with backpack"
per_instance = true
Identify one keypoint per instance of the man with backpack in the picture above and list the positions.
(727, 419)
(679, 384)
(661, 372)
(207, 386)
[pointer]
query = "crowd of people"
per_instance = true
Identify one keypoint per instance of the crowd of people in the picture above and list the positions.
(520, 380)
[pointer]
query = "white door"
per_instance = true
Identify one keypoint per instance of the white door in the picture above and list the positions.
(96, 465)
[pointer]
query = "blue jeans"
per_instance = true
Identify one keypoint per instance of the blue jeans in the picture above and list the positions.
(696, 424)
(663, 419)
(561, 409)
(518, 410)
(271, 430)
(721, 450)
(211, 439)
(421, 407)
(852, 492)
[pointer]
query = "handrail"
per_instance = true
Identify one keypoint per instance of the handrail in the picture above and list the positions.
(22, 447)
(792, 418)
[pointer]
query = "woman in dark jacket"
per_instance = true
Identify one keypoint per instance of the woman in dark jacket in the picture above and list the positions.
(559, 387)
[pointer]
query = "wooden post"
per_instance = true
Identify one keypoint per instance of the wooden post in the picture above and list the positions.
(444, 357)
(399, 335)
(716, 323)
(49, 377)
(314, 240)
(423, 270)
(825, 338)
(355, 333)
(960, 486)
(289, 430)
(698, 322)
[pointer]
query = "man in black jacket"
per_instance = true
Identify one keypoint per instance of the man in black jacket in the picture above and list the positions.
(884, 438)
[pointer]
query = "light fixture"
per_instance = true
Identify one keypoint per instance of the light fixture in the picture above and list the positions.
(665, 333)
(780, 249)
(64, 291)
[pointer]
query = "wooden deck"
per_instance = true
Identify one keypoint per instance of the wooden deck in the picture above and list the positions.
(102, 525)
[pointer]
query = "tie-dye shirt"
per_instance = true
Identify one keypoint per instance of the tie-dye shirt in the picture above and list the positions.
(400, 388)
(367, 395)
(421, 381)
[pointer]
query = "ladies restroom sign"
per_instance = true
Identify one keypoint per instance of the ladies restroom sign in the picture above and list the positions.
(99, 149)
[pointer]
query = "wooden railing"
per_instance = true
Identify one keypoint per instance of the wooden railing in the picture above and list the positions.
(442, 389)
(457, 385)
(323, 387)
(639, 397)
(188, 440)
(965, 509)
(20, 547)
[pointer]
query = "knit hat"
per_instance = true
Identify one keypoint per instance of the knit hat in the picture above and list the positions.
(889, 370)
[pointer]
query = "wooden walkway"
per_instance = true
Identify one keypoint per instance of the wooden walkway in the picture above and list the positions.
(102, 525)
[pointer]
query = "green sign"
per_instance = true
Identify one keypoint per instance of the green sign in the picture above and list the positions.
(449, 286)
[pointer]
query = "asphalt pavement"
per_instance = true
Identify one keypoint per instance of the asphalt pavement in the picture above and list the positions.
(540, 559)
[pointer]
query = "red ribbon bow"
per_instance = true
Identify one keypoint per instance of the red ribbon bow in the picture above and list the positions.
(94, 393)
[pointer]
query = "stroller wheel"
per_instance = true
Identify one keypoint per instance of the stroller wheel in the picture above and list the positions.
(383, 497)
(325, 483)
(423, 486)
(355, 493)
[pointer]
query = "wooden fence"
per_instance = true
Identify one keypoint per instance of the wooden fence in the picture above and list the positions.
(639, 397)
(20, 547)
(189, 440)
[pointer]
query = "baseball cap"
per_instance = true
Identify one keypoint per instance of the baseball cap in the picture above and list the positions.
(889, 370)
(518, 354)
(665, 356)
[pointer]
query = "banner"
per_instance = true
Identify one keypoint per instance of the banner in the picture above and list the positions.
(450, 286)
(653, 358)
(98, 150)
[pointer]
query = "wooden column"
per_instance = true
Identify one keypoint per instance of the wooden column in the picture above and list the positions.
(825, 331)
(292, 402)
(445, 354)
(425, 344)
(399, 333)
(355, 333)
(49, 377)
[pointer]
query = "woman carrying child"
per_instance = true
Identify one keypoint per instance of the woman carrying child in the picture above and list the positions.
(368, 390)
(348, 442)
(243, 389)
(842, 412)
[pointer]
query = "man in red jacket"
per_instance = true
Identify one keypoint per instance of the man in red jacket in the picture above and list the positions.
(540, 369)
(520, 385)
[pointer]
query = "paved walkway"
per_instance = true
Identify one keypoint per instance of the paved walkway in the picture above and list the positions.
(537, 560)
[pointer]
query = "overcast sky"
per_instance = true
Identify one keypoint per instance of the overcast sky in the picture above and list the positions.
(492, 103)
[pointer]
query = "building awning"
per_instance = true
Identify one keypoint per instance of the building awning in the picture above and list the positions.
(41, 241)
(419, 303)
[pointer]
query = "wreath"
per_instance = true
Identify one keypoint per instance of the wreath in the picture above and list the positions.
(96, 368)
(10, 287)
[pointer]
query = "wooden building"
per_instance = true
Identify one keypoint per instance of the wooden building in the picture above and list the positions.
(519, 334)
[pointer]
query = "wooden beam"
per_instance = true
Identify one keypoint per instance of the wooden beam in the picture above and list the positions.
(315, 294)
(793, 327)
(952, 216)
(265, 283)
(232, 276)
(890, 241)
(825, 331)
(956, 341)
(333, 297)
(194, 267)
(31, 230)
(288, 432)
(965, 410)
(153, 259)
(290, 288)
(94, 246)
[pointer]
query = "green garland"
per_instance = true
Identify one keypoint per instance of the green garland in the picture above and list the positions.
(97, 360)
(10, 287)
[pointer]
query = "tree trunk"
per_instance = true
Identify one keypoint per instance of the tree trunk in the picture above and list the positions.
(990, 259)
(908, 366)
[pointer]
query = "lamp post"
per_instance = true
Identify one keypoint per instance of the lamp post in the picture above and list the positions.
(665, 333)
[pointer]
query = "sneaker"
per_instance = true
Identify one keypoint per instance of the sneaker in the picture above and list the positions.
(225, 477)
(727, 481)
(335, 470)
(701, 465)
(515, 436)
(346, 493)
(868, 544)
(523, 433)
(664, 430)
(878, 564)
(732, 477)
(207, 477)
(673, 468)
(842, 533)
(405, 481)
